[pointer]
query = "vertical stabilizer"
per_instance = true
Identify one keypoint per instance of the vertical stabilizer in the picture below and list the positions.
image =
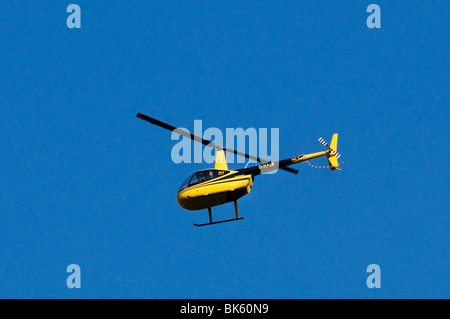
(333, 154)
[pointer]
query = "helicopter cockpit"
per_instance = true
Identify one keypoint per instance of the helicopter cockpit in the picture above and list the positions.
(200, 177)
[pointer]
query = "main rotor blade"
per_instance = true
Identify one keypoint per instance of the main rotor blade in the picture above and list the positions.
(203, 141)
(176, 130)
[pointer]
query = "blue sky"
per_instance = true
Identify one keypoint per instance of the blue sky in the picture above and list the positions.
(83, 181)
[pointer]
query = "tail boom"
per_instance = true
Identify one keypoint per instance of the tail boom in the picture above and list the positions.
(331, 154)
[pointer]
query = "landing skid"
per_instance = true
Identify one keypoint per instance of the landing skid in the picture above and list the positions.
(221, 221)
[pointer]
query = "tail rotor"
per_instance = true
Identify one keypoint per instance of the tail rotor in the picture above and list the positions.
(321, 140)
(332, 155)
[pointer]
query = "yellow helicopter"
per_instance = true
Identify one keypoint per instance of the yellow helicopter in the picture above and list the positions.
(212, 187)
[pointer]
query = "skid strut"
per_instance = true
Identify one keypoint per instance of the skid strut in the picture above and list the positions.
(221, 221)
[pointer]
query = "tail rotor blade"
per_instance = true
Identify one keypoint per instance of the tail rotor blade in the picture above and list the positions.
(321, 140)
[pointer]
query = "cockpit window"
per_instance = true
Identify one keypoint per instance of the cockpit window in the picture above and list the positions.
(201, 177)
(185, 184)
(194, 180)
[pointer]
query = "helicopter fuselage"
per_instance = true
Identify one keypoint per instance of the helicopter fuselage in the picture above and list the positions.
(213, 187)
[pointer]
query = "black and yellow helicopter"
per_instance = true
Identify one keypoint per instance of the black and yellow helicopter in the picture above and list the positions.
(212, 187)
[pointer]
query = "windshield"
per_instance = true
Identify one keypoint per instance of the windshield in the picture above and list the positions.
(185, 184)
(201, 177)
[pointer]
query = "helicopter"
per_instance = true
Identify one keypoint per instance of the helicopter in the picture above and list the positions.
(219, 185)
